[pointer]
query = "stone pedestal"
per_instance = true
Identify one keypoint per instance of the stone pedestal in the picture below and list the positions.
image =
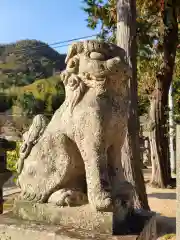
(14, 228)
(80, 222)
(80, 217)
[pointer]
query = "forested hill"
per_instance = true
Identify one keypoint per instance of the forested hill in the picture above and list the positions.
(23, 62)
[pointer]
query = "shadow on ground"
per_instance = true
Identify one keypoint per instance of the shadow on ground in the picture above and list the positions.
(165, 225)
(168, 195)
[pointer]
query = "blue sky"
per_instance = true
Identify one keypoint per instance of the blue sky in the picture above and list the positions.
(45, 20)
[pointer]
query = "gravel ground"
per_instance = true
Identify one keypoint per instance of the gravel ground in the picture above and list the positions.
(163, 202)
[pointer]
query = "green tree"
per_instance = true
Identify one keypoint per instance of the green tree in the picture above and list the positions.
(155, 20)
(103, 14)
(30, 105)
(161, 174)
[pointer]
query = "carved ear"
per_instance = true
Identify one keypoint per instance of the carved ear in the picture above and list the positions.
(73, 50)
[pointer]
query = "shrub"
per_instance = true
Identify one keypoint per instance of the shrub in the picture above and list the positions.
(12, 157)
(171, 236)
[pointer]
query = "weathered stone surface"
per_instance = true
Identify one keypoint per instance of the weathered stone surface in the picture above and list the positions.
(30, 138)
(84, 217)
(78, 217)
(12, 229)
(80, 150)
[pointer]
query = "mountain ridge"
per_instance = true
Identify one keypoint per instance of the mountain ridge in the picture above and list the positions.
(25, 61)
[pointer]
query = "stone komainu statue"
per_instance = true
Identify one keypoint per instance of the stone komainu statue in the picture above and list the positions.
(78, 156)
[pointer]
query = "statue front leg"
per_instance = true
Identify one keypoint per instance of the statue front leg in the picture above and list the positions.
(93, 151)
(122, 190)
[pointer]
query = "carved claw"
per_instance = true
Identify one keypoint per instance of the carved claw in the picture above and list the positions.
(39, 198)
(64, 199)
(63, 202)
(31, 196)
(102, 202)
(25, 195)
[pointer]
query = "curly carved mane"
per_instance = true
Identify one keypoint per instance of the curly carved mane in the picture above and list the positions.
(90, 64)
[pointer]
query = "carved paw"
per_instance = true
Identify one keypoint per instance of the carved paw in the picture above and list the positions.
(32, 196)
(102, 201)
(68, 197)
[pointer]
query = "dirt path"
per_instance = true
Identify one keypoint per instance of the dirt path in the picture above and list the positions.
(163, 202)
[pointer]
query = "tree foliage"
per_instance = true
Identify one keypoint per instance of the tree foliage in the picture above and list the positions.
(43, 96)
(150, 27)
(30, 105)
(12, 157)
(103, 14)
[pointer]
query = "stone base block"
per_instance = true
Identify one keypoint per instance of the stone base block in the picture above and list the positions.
(12, 228)
(79, 217)
(77, 223)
